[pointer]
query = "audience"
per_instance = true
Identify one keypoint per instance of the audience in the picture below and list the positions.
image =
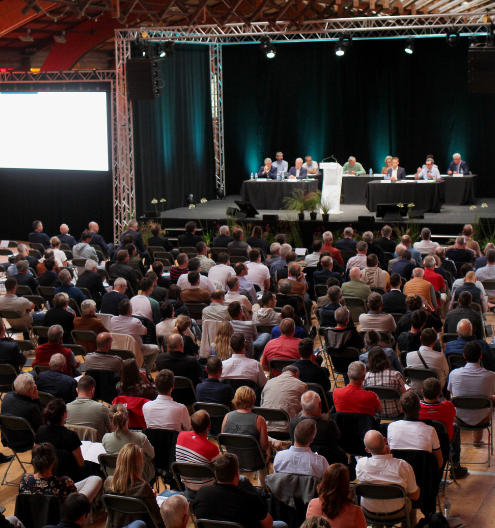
(205, 263)
(91, 280)
(241, 367)
(211, 390)
(44, 352)
(373, 275)
(321, 276)
(143, 305)
(122, 269)
(258, 273)
(222, 271)
(347, 243)
(394, 301)
(183, 328)
(355, 287)
(55, 382)
(195, 293)
(373, 339)
(464, 311)
(309, 370)
(89, 321)
(359, 261)
(66, 287)
(343, 335)
(254, 344)
(266, 315)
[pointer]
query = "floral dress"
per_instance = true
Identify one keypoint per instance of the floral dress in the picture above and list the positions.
(59, 486)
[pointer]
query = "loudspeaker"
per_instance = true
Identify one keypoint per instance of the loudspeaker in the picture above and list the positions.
(390, 212)
(366, 219)
(144, 79)
(481, 70)
(416, 213)
(232, 211)
(271, 218)
(247, 209)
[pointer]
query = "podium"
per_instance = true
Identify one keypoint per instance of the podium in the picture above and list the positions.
(332, 185)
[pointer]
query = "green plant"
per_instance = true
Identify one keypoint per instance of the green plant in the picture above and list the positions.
(313, 201)
(145, 230)
(155, 202)
(297, 202)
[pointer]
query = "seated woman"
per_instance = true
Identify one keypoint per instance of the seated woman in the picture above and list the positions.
(43, 482)
(380, 373)
(133, 383)
(256, 240)
(127, 481)
(174, 297)
(168, 323)
(333, 500)
(221, 345)
(67, 442)
(388, 164)
(183, 327)
(114, 442)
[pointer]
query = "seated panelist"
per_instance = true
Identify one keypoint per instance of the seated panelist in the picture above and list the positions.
(267, 170)
(395, 172)
(458, 165)
(298, 172)
(353, 167)
(430, 172)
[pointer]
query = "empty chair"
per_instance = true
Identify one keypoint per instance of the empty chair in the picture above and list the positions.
(274, 415)
(8, 374)
(184, 391)
(217, 413)
(11, 427)
(108, 463)
(247, 449)
(184, 471)
(341, 361)
(128, 508)
(383, 492)
(164, 442)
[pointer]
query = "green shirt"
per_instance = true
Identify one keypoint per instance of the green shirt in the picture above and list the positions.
(358, 168)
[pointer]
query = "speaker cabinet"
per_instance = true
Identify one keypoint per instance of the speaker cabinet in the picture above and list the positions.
(481, 70)
(144, 79)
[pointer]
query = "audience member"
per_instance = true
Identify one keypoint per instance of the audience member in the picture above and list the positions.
(195, 293)
(418, 285)
(288, 312)
(122, 269)
(459, 252)
(487, 272)
(158, 293)
(75, 510)
(205, 263)
(425, 245)
(343, 335)
(327, 312)
(174, 297)
(347, 243)
(274, 254)
(359, 261)
(464, 311)
(481, 262)
(237, 247)
(233, 294)
(286, 257)
(183, 328)
(327, 246)
(321, 276)
(37, 236)
(217, 311)
(387, 245)
(181, 269)
(143, 305)
(101, 358)
(178, 362)
(373, 339)
(238, 366)
(66, 287)
(133, 383)
(211, 390)
(312, 259)
(60, 314)
(91, 280)
(97, 239)
(258, 273)
(415, 302)
(44, 352)
(223, 239)
(111, 300)
(89, 321)
(284, 347)
(254, 344)
(24, 277)
(190, 238)
(222, 271)
(175, 512)
(476, 293)
(221, 344)
(65, 238)
(49, 277)
(84, 249)
(356, 288)
(10, 301)
(285, 297)
(373, 275)
(375, 319)
(403, 266)
(266, 315)
(467, 232)
(309, 371)
(55, 382)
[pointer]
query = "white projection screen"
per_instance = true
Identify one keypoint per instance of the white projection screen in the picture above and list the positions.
(54, 130)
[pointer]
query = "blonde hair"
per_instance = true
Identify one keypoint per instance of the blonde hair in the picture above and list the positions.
(119, 417)
(129, 469)
(244, 398)
(182, 323)
(221, 345)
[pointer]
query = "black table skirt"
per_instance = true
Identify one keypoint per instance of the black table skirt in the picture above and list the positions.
(425, 196)
(457, 191)
(271, 194)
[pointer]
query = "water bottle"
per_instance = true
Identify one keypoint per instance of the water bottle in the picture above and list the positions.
(461, 173)
(252, 176)
(447, 508)
(47, 304)
(255, 175)
(371, 173)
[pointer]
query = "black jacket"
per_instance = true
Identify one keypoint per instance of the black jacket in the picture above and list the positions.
(138, 241)
(110, 302)
(58, 384)
(121, 269)
(310, 372)
(40, 238)
(189, 240)
(464, 312)
(15, 404)
(93, 282)
(49, 278)
(68, 239)
(62, 317)
(394, 302)
(10, 354)
(181, 365)
(160, 242)
(26, 279)
(222, 241)
(100, 241)
(386, 244)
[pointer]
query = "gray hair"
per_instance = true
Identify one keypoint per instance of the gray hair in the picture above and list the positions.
(351, 158)
(120, 282)
(22, 248)
(87, 306)
(65, 277)
(275, 248)
(348, 231)
(22, 265)
(173, 510)
(291, 368)
(268, 160)
(132, 223)
(464, 328)
(418, 272)
(299, 159)
(23, 383)
(64, 229)
(341, 315)
(55, 333)
(310, 402)
(224, 230)
(90, 265)
(285, 249)
(430, 261)
(356, 370)
(456, 155)
(57, 362)
(285, 287)
(327, 235)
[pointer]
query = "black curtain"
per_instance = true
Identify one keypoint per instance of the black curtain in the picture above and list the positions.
(374, 101)
(56, 196)
(173, 136)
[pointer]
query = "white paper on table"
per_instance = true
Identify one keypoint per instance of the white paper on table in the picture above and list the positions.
(300, 252)
(160, 500)
(386, 181)
(458, 175)
(91, 450)
(4, 243)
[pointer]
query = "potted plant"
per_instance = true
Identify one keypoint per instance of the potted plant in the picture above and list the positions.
(313, 204)
(325, 208)
(297, 202)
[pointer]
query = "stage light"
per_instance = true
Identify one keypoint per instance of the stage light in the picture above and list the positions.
(161, 52)
(409, 49)
(189, 200)
(473, 41)
(169, 48)
(267, 47)
(60, 39)
(344, 42)
(27, 37)
(453, 37)
(339, 50)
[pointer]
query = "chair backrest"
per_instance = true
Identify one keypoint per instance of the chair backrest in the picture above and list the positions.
(196, 310)
(235, 383)
(35, 253)
(41, 331)
(384, 393)
(41, 368)
(37, 300)
(85, 336)
(106, 380)
(78, 350)
(85, 433)
(320, 290)
(107, 462)
(37, 511)
(342, 360)
(134, 406)
(265, 328)
(456, 361)
(368, 490)
(86, 292)
(246, 448)
(279, 364)
(419, 374)
(164, 442)
(5, 252)
(474, 306)
(353, 427)
(472, 402)
(7, 374)
(355, 305)
(446, 338)
(124, 510)
(47, 292)
(22, 290)
(105, 319)
(217, 413)
(123, 354)
(73, 304)
(185, 473)
(272, 415)
(11, 426)
(184, 391)
(45, 398)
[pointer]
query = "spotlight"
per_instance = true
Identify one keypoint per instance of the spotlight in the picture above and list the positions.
(344, 42)
(27, 37)
(161, 52)
(409, 49)
(453, 37)
(339, 50)
(267, 47)
(169, 48)
(60, 39)
(189, 200)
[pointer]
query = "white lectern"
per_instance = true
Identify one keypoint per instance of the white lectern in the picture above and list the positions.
(332, 185)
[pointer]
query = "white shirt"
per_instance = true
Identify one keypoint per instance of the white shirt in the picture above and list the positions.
(486, 273)
(165, 328)
(257, 274)
(60, 255)
(297, 172)
(394, 174)
(385, 469)
(165, 413)
(236, 296)
(312, 259)
(426, 246)
(405, 434)
(241, 367)
(300, 460)
(141, 306)
(123, 324)
(313, 166)
(221, 273)
(435, 361)
(204, 283)
(472, 380)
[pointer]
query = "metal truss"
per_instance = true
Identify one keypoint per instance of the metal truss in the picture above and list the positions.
(216, 84)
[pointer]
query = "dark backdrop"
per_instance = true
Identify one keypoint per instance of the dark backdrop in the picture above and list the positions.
(374, 101)
(56, 196)
(173, 137)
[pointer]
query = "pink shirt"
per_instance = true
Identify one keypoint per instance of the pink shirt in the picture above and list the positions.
(350, 516)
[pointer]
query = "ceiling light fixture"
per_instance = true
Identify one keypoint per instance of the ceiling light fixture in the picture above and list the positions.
(344, 42)
(60, 39)
(267, 47)
(409, 49)
(453, 37)
(27, 37)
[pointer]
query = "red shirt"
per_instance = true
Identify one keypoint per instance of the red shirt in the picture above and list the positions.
(281, 348)
(354, 399)
(334, 252)
(435, 279)
(44, 352)
(442, 411)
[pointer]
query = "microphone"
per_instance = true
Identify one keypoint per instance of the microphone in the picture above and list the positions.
(330, 157)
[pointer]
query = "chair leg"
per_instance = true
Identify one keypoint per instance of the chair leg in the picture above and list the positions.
(4, 479)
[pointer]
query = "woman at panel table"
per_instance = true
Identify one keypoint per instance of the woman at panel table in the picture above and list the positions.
(267, 171)
(388, 164)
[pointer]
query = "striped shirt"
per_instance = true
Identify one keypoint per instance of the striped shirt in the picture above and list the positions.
(386, 378)
(247, 328)
(195, 449)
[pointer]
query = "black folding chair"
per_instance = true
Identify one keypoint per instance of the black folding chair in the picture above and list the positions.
(37, 511)
(134, 510)
(182, 471)
(279, 364)
(184, 391)
(341, 361)
(456, 361)
(217, 413)
(11, 426)
(107, 462)
(382, 492)
(246, 447)
(8, 374)
(164, 442)
(274, 415)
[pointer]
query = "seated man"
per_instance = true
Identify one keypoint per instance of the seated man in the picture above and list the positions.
(245, 287)
(254, 344)
(375, 319)
(37, 236)
(49, 277)
(97, 239)
(217, 311)
(351, 166)
(387, 245)
(464, 311)
(266, 315)
(327, 312)
(44, 352)
(309, 371)
(10, 301)
(111, 300)
(394, 301)
(65, 238)
(487, 272)
(443, 411)
(359, 261)
(434, 278)
(143, 305)
(182, 268)
(162, 281)
(425, 245)
(383, 468)
(211, 390)
(321, 276)
(284, 347)
(372, 339)
(298, 172)
(459, 252)
(467, 233)
(481, 262)
(204, 282)
(427, 357)
(89, 321)
(158, 293)
(445, 263)
(285, 296)
(343, 335)
(355, 288)
(91, 280)
(404, 266)
(223, 238)
(222, 271)
(205, 263)
(86, 412)
(284, 392)
(84, 249)
(299, 458)
(268, 170)
(286, 257)
(258, 273)
(395, 172)
(312, 259)
(237, 247)
(55, 382)
(429, 172)
(66, 287)
(22, 254)
(353, 398)
(101, 358)
(470, 286)
(465, 333)
(373, 275)
(239, 366)
(24, 277)
(59, 314)
(190, 238)
(334, 252)
(373, 249)
(347, 243)
(473, 380)
(122, 269)
(233, 295)
(458, 166)
(193, 447)
(300, 286)
(411, 433)
(287, 312)
(195, 293)
(418, 285)
(137, 238)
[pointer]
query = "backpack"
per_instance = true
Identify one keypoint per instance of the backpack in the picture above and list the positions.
(433, 520)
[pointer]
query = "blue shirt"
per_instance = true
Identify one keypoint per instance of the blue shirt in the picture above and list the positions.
(212, 391)
(433, 171)
(73, 293)
(300, 333)
(282, 166)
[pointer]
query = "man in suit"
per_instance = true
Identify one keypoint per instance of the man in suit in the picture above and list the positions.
(223, 239)
(384, 241)
(38, 237)
(190, 238)
(347, 244)
(394, 301)
(136, 235)
(298, 172)
(321, 277)
(396, 173)
(267, 170)
(55, 382)
(92, 281)
(111, 300)
(159, 241)
(458, 166)
(99, 240)
(122, 269)
(65, 238)
(24, 277)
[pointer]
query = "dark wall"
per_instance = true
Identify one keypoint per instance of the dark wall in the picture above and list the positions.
(374, 101)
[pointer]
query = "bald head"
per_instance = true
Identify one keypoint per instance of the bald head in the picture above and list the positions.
(64, 229)
(418, 273)
(470, 277)
(175, 342)
(464, 328)
(104, 342)
(375, 443)
(355, 273)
